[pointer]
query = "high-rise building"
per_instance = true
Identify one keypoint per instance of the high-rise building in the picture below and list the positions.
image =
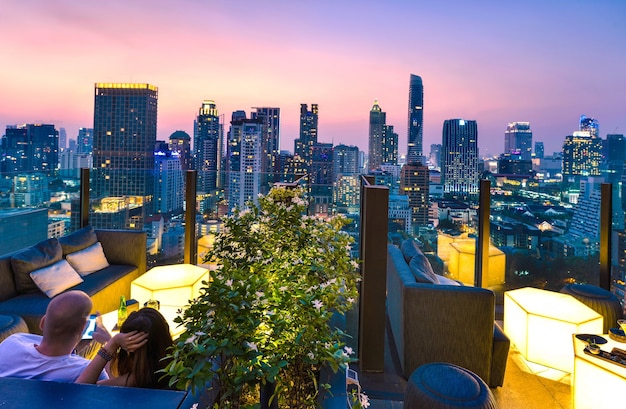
(582, 156)
(169, 187)
(590, 125)
(615, 157)
(377, 124)
(84, 140)
(62, 139)
(416, 120)
(345, 160)
(459, 155)
(270, 143)
(303, 146)
(435, 155)
(124, 136)
(321, 178)
(244, 161)
(389, 146)
(208, 147)
(539, 150)
(180, 143)
(30, 147)
(414, 183)
(519, 138)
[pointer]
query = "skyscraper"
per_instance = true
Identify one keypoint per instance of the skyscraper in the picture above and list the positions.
(539, 150)
(270, 145)
(208, 147)
(169, 186)
(377, 125)
(125, 123)
(582, 155)
(414, 183)
(30, 147)
(345, 160)
(84, 141)
(518, 139)
(180, 143)
(416, 120)
(303, 146)
(459, 155)
(321, 178)
(244, 161)
(389, 146)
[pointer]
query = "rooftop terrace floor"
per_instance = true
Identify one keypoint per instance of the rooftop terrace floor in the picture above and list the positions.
(526, 385)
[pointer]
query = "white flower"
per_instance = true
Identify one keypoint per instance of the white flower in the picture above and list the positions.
(191, 339)
(348, 350)
(252, 346)
(259, 294)
(311, 355)
(365, 400)
(350, 300)
(354, 264)
(318, 304)
(200, 333)
(283, 288)
(194, 406)
(229, 283)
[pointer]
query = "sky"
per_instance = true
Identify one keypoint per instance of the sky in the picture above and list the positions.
(546, 62)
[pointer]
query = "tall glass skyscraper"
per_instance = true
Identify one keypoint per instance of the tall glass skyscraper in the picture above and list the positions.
(125, 123)
(459, 156)
(518, 139)
(416, 120)
(377, 125)
(308, 133)
(208, 147)
(270, 145)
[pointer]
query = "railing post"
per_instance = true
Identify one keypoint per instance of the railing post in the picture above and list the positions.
(606, 214)
(191, 247)
(482, 241)
(84, 197)
(373, 255)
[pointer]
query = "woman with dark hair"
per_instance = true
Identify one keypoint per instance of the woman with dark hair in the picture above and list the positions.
(135, 354)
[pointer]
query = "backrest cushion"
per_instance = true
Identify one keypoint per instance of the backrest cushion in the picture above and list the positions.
(422, 270)
(88, 260)
(409, 249)
(78, 240)
(33, 258)
(56, 278)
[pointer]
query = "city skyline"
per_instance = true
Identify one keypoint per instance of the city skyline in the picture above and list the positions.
(485, 61)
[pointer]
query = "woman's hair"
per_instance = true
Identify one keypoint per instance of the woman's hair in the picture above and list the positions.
(143, 363)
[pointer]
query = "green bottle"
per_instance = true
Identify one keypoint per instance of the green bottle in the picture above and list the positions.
(121, 312)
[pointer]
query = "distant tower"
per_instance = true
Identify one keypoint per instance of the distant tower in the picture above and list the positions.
(30, 147)
(389, 146)
(208, 147)
(308, 133)
(169, 186)
(244, 161)
(62, 140)
(416, 120)
(321, 178)
(435, 155)
(590, 125)
(459, 168)
(582, 155)
(124, 136)
(615, 157)
(539, 151)
(270, 145)
(414, 183)
(85, 140)
(345, 160)
(518, 138)
(180, 144)
(377, 124)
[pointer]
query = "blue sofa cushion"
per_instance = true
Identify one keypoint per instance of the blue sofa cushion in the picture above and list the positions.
(422, 270)
(78, 240)
(409, 248)
(33, 258)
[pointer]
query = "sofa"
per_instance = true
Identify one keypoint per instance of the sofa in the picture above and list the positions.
(436, 319)
(106, 262)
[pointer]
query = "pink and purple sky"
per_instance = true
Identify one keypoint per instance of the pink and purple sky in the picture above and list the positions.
(542, 61)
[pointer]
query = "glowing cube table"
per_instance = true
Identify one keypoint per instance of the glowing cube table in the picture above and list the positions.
(172, 285)
(540, 323)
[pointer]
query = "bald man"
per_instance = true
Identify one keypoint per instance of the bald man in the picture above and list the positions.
(50, 357)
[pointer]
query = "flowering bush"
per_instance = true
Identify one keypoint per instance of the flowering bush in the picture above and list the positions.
(265, 315)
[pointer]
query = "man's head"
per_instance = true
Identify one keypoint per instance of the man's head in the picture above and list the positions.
(65, 317)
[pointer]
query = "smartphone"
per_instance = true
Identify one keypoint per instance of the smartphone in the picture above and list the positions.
(90, 328)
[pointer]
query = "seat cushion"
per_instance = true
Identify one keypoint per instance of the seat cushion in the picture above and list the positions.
(422, 270)
(78, 240)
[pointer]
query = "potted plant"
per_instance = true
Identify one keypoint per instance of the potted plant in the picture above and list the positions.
(265, 316)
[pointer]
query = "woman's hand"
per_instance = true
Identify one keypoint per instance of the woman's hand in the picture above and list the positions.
(101, 334)
(131, 341)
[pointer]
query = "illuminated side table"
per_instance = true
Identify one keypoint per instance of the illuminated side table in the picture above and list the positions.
(173, 286)
(540, 323)
(597, 383)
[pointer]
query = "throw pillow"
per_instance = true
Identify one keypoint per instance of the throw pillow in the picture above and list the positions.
(78, 240)
(447, 281)
(88, 260)
(422, 270)
(33, 258)
(409, 249)
(56, 278)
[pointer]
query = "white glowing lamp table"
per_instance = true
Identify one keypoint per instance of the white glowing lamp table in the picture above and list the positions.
(540, 324)
(172, 286)
(597, 383)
